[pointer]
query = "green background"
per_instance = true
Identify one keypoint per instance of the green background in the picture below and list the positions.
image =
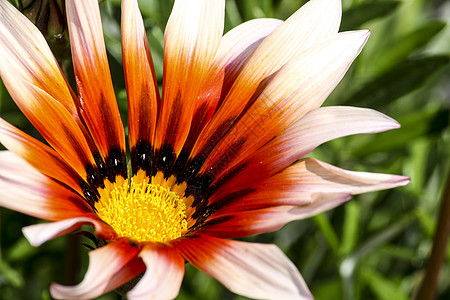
(373, 247)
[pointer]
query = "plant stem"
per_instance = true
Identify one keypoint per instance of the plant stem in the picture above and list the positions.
(427, 289)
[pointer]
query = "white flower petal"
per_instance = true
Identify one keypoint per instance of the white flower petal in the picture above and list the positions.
(250, 269)
(107, 271)
(297, 88)
(304, 189)
(25, 54)
(41, 233)
(164, 274)
(328, 123)
(24, 189)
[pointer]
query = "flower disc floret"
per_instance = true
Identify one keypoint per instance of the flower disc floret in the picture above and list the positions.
(143, 211)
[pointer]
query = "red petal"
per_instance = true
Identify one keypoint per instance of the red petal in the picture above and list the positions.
(297, 88)
(312, 24)
(317, 127)
(189, 49)
(142, 89)
(97, 103)
(40, 156)
(306, 188)
(24, 189)
(249, 269)
(236, 48)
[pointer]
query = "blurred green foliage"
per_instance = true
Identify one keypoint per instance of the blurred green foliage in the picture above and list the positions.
(373, 247)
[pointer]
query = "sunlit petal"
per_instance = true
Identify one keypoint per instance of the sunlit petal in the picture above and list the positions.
(189, 49)
(164, 274)
(97, 102)
(299, 87)
(236, 48)
(105, 264)
(142, 89)
(317, 127)
(41, 233)
(24, 189)
(249, 269)
(315, 22)
(39, 155)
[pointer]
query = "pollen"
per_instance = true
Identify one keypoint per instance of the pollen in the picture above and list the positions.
(144, 210)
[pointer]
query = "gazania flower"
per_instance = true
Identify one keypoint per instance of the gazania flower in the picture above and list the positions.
(217, 156)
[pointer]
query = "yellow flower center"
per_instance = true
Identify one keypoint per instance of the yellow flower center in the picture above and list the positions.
(144, 210)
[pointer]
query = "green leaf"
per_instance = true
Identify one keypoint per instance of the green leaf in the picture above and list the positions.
(10, 275)
(328, 290)
(384, 288)
(350, 232)
(401, 80)
(406, 45)
(358, 15)
(324, 224)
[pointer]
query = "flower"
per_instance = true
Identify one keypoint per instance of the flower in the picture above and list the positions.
(216, 157)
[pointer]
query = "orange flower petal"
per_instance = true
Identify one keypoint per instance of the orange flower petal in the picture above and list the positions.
(189, 49)
(270, 219)
(24, 53)
(312, 24)
(98, 105)
(107, 265)
(318, 126)
(298, 87)
(39, 155)
(249, 269)
(302, 185)
(24, 189)
(236, 47)
(142, 89)
(164, 274)
(35, 82)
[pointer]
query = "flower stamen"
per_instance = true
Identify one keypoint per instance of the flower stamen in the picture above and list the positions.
(143, 210)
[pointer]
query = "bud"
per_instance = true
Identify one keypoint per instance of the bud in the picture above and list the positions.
(50, 17)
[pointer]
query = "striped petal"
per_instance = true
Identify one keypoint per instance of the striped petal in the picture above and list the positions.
(41, 233)
(310, 185)
(107, 271)
(314, 23)
(189, 49)
(24, 53)
(24, 189)
(299, 87)
(270, 219)
(253, 270)
(164, 274)
(98, 105)
(35, 82)
(318, 126)
(236, 48)
(300, 183)
(40, 156)
(142, 89)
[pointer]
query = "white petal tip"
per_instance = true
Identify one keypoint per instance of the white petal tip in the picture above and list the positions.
(29, 234)
(58, 291)
(55, 290)
(399, 180)
(365, 34)
(389, 124)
